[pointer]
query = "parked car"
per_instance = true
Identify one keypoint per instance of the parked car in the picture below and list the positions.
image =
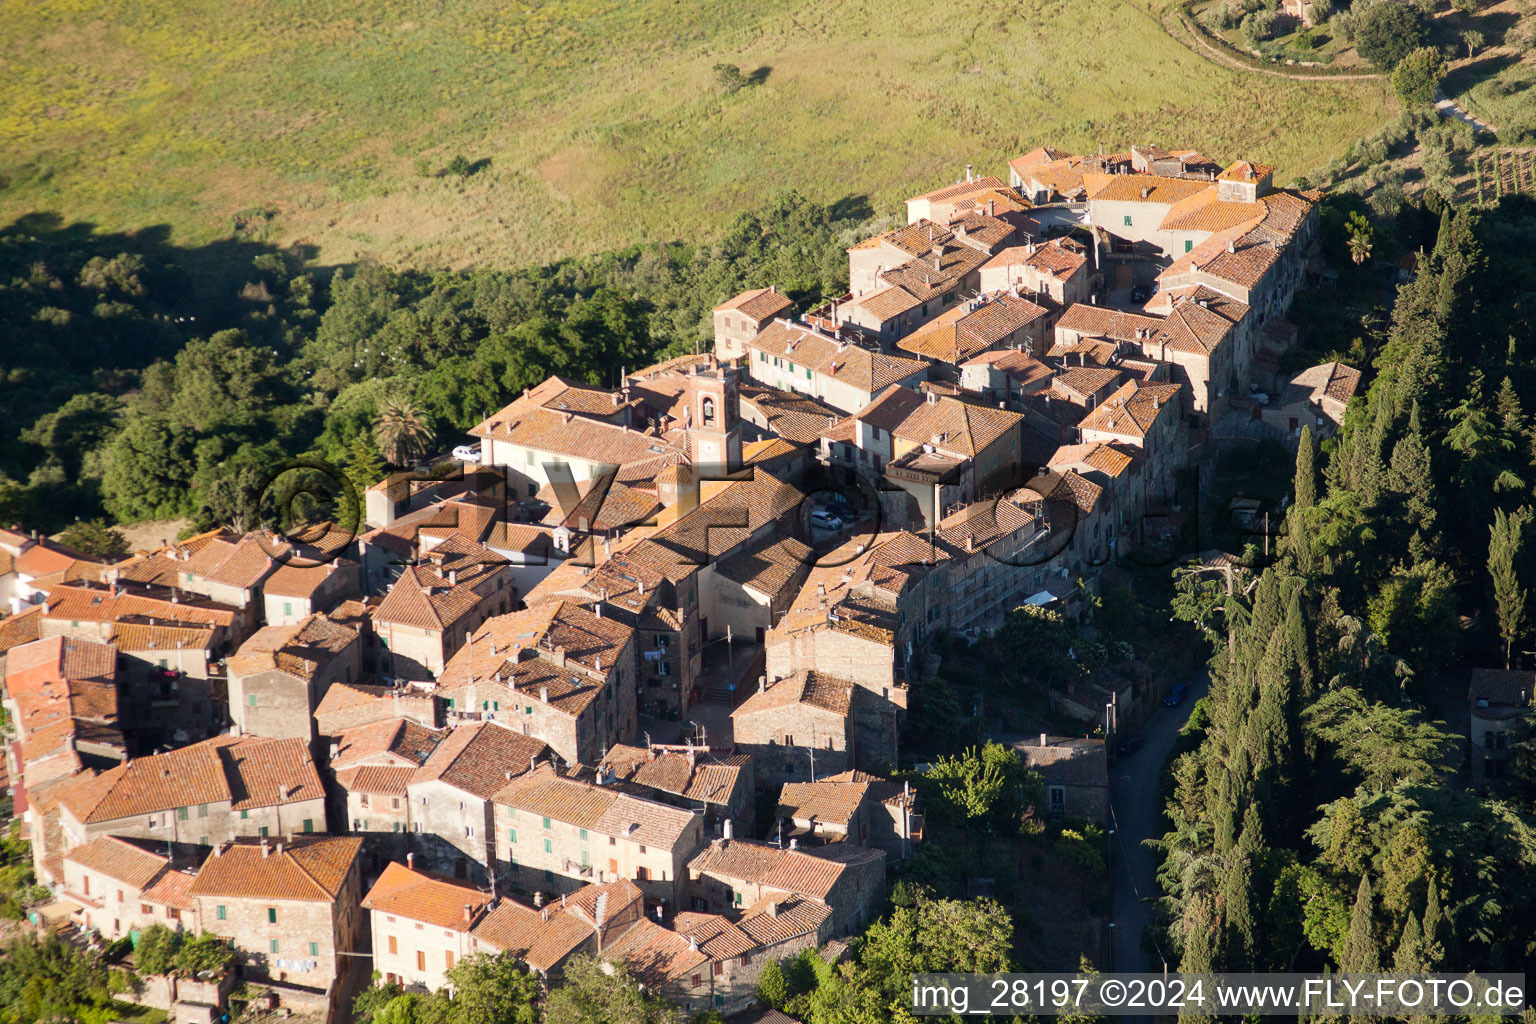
(467, 453)
(826, 520)
(1176, 695)
(1141, 293)
(1128, 745)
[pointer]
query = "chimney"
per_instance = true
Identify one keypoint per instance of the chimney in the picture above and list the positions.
(264, 850)
(1043, 742)
(693, 943)
(279, 850)
(597, 609)
(970, 542)
(469, 915)
(933, 398)
(1231, 245)
(967, 172)
(538, 899)
(218, 851)
(728, 830)
(762, 682)
(544, 694)
(773, 289)
(991, 205)
(773, 908)
(1145, 191)
(410, 861)
(794, 844)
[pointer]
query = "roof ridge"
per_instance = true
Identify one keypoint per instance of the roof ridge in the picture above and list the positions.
(305, 871)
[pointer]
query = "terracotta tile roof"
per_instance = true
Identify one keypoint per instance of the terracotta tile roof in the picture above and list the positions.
(1334, 380)
(935, 273)
(789, 871)
(119, 859)
(394, 741)
(422, 896)
(1016, 364)
(386, 780)
(1510, 687)
(778, 919)
(759, 304)
(1059, 258)
(424, 599)
(716, 936)
(835, 802)
(829, 693)
(985, 522)
(1084, 381)
(962, 188)
(139, 605)
(242, 563)
(856, 367)
(1132, 409)
(294, 580)
(63, 658)
(310, 868)
(611, 812)
(564, 433)
(1035, 157)
(1148, 188)
(1242, 170)
(1074, 487)
(173, 889)
(21, 628)
(789, 414)
(477, 757)
(247, 771)
(540, 938)
(1079, 762)
(886, 304)
(956, 426)
(159, 568)
(595, 642)
(377, 702)
(1205, 211)
(45, 557)
(971, 327)
(1111, 459)
(706, 777)
(768, 570)
(137, 637)
(300, 649)
(654, 955)
(973, 227)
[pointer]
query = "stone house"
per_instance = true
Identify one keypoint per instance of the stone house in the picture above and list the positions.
(124, 886)
(740, 319)
(1057, 271)
(557, 833)
(436, 604)
(1074, 774)
(545, 936)
(1142, 416)
(281, 674)
(199, 795)
(695, 778)
(294, 592)
(291, 908)
(732, 875)
(798, 728)
(981, 324)
(798, 357)
(421, 924)
(372, 766)
(1498, 707)
(1316, 398)
(452, 818)
(889, 811)
(558, 672)
(349, 705)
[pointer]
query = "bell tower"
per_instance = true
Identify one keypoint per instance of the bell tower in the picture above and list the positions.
(715, 416)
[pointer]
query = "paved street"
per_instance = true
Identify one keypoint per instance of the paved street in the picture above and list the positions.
(1134, 801)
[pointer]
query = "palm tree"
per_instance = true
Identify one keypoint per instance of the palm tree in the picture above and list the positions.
(402, 432)
(1360, 239)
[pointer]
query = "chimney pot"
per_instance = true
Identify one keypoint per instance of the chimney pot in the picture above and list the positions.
(1043, 742)
(410, 861)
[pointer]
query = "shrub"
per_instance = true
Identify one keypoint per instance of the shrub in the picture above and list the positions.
(1416, 77)
(1386, 31)
(1259, 26)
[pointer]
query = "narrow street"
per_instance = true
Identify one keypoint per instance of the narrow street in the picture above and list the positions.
(1136, 816)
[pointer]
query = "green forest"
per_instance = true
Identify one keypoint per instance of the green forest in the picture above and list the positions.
(147, 381)
(1316, 817)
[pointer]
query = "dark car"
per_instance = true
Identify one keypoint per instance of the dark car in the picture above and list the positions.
(1176, 696)
(1128, 746)
(1141, 293)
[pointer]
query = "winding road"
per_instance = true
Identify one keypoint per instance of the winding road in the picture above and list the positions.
(1136, 816)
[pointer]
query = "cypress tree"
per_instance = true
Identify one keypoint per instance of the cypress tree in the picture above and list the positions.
(1360, 954)
(1409, 958)
(1306, 470)
(1505, 539)
(1434, 919)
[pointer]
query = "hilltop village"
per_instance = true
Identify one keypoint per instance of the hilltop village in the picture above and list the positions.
(534, 704)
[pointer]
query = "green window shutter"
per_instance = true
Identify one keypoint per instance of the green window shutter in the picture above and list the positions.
(181, 814)
(583, 835)
(220, 911)
(807, 373)
(287, 608)
(1127, 220)
(1189, 243)
(251, 700)
(585, 861)
(271, 915)
(485, 705)
(495, 705)
(547, 847)
(202, 810)
(274, 945)
(314, 949)
(511, 835)
(244, 815)
(546, 823)
(263, 831)
(309, 824)
(450, 703)
(396, 828)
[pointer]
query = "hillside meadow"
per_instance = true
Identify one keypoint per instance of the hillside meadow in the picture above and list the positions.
(589, 124)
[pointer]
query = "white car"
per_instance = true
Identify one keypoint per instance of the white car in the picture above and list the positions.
(467, 453)
(826, 520)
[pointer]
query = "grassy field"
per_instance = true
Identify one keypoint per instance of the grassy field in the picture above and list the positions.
(600, 122)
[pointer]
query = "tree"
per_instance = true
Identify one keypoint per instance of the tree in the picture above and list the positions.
(1360, 237)
(1386, 746)
(987, 787)
(156, 951)
(1506, 539)
(772, 986)
(96, 539)
(1361, 953)
(592, 995)
(1416, 78)
(493, 990)
(1473, 40)
(402, 432)
(204, 953)
(1466, 6)
(1306, 470)
(729, 78)
(1386, 31)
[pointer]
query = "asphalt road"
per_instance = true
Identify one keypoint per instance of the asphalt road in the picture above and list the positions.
(1136, 817)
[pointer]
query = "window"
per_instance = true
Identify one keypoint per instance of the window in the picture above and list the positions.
(251, 700)
(448, 959)
(585, 859)
(271, 915)
(719, 969)
(181, 813)
(274, 945)
(1058, 799)
(363, 799)
(698, 979)
(511, 835)
(1189, 243)
(263, 831)
(546, 823)
(394, 946)
(1127, 220)
(613, 866)
(746, 959)
(244, 815)
(314, 949)
(145, 908)
(220, 912)
(421, 960)
(583, 835)
(547, 847)
(549, 876)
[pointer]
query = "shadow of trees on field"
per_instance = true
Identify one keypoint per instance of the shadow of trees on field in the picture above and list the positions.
(852, 207)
